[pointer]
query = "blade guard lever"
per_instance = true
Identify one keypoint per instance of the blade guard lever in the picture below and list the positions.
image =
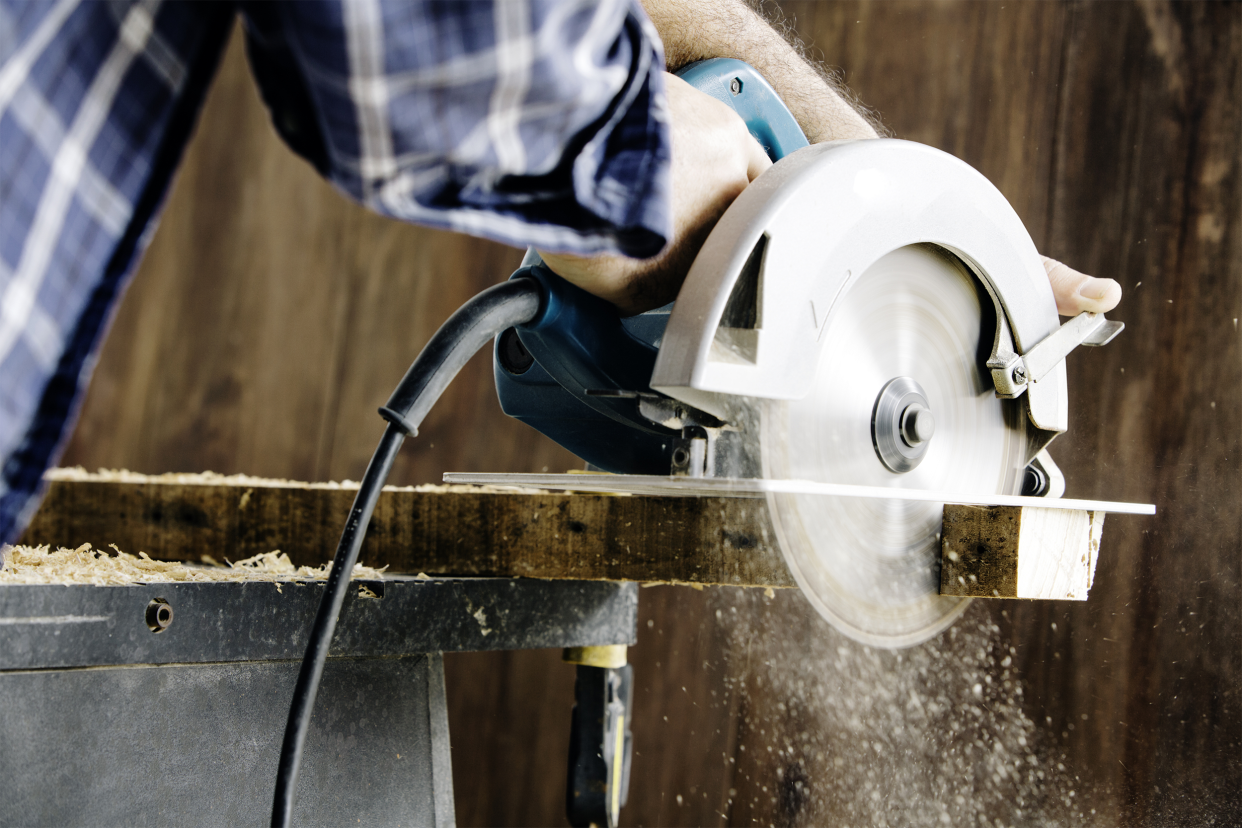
(1012, 372)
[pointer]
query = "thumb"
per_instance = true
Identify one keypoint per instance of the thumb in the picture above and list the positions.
(1077, 292)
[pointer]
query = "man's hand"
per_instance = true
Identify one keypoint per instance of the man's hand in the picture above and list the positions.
(714, 159)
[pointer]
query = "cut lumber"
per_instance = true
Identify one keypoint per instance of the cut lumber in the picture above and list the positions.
(446, 530)
(994, 552)
(1019, 552)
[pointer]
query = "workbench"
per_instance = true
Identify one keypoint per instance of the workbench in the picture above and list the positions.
(164, 703)
(110, 718)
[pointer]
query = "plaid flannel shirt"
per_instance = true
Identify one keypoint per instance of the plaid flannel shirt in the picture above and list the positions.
(526, 121)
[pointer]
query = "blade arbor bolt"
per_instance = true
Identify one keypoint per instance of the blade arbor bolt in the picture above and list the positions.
(902, 425)
(918, 424)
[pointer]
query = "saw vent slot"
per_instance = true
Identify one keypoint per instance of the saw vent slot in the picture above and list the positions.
(737, 337)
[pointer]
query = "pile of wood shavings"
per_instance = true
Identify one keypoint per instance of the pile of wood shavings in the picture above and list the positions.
(210, 478)
(85, 565)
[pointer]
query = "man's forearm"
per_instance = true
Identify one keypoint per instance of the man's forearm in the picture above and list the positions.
(699, 29)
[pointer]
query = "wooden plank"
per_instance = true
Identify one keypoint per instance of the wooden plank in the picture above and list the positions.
(1019, 552)
(439, 532)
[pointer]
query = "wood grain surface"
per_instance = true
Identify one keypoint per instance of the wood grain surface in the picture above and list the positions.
(271, 317)
(1028, 552)
(692, 540)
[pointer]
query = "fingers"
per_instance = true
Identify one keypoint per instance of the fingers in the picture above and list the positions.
(714, 156)
(1077, 292)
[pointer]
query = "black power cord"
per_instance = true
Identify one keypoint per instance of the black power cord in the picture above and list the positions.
(472, 326)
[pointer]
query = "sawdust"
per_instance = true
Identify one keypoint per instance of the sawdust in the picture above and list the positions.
(210, 478)
(85, 565)
(837, 733)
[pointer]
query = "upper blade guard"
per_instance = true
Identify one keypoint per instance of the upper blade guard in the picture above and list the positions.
(800, 235)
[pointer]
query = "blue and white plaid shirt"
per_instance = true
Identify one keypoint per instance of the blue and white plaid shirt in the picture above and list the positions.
(526, 121)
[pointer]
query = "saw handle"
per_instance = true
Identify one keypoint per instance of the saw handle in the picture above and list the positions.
(578, 337)
(737, 84)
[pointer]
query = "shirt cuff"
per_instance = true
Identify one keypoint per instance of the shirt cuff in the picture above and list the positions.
(547, 129)
(610, 191)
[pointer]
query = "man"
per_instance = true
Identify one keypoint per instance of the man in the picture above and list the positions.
(526, 121)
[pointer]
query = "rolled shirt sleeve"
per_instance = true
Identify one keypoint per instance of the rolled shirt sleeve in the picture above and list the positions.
(97, 102)
(524, 121)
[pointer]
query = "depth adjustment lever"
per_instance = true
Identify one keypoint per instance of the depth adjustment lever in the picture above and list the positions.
(1013, 372)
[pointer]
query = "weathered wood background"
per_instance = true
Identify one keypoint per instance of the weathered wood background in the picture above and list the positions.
(271, 317)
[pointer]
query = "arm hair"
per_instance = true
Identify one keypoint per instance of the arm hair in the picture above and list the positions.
(758, 33)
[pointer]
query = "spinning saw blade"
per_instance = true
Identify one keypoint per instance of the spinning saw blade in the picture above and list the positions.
(907, 333)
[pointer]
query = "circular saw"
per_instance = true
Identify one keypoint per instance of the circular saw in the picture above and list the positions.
(867, 313)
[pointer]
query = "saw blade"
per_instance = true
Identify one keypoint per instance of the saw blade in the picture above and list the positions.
(906, 331)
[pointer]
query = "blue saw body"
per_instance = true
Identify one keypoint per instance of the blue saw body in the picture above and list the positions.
(574, 372)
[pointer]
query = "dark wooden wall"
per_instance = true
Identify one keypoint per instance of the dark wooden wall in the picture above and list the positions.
(271, 317)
